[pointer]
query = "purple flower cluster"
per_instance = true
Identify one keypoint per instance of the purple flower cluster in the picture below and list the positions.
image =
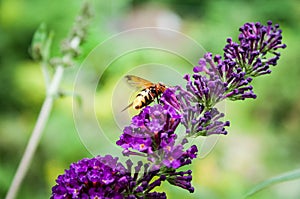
(196, 115)
(251, 57)
(256, 43)
(229, 78)
(152, 134)
(216, 79)
(99, 177)
(105, 177)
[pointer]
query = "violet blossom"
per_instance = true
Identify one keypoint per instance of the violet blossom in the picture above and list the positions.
(153, 134)
(105, 177)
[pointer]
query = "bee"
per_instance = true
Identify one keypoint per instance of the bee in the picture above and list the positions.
(150, 91)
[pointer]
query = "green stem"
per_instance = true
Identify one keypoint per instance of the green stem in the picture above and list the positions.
(73, 43)
(36, 133)
(45, 74)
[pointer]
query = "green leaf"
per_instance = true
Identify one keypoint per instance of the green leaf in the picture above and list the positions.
(292, 175)
(41, 43)
(38, 42)
(47, 46)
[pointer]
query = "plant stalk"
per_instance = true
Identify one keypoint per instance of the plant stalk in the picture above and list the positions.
(36, 133)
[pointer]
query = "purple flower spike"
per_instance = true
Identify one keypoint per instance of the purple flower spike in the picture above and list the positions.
(195, 107)
(172, 156)
(90, 178)
(156, 195)
(225, 80)
(153, 134)
(257, 45)
(149, 129)
(182, 179)
(107, 178)
(158, 124)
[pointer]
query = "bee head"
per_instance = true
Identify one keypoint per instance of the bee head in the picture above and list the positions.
(162, 87)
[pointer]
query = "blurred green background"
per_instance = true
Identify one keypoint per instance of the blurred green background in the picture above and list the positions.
(263, 139)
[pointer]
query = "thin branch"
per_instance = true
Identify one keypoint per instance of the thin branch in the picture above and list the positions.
(36, 135)
(70, 51)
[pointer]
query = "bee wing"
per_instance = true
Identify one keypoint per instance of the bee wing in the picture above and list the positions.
(137, 82)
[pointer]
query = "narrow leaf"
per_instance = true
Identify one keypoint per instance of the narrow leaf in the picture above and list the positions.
(38, 42)
(292, 175)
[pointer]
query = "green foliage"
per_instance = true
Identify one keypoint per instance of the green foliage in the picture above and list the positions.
(292, 175)
(41, 43)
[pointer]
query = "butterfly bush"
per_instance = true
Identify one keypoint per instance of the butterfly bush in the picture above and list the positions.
(153, 133)
(105, 177)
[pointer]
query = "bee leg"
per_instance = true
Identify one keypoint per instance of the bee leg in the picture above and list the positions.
(158, 99)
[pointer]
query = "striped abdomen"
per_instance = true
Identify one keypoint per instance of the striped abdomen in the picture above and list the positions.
(145, 97)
